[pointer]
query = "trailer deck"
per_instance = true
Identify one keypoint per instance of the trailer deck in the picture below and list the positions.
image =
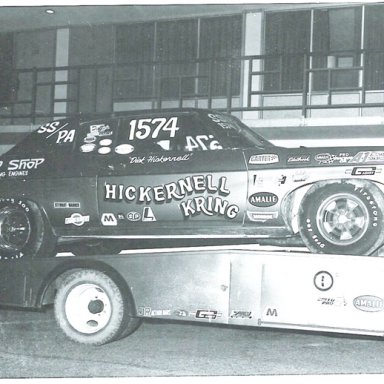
(239, 285)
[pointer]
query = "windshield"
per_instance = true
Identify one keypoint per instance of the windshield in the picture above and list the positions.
(235, 132)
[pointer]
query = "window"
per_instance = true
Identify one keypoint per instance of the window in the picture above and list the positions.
(176, 49)
(155, 133)
(165, 133)
(287, 39)
(233, 133)
(336, 45)
(220, 40)
(374, 45)
(182, 57)
(7, 78)
(134, 48)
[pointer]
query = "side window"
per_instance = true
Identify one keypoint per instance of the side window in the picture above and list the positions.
(184, 132)
(198, 136)
(97, 137)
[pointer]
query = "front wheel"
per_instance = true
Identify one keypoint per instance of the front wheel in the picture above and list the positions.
(342, 218)
(91, 308)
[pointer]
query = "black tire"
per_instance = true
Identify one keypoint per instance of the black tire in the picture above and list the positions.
(342, 218)
(90, 308)
(97, 247)
(24, 231)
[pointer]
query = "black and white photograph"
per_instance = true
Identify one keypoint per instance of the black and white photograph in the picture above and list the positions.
(192, 190)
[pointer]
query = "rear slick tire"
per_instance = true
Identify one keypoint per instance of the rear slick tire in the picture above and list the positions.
(24, 230)
(342, 218)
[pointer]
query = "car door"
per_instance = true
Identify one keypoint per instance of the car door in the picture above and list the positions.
(168, 175)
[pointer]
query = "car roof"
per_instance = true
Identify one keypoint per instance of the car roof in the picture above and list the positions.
(84, 118)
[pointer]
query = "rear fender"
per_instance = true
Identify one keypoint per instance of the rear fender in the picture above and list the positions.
(292, 201)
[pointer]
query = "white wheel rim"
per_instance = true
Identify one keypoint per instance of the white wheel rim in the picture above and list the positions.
(88, 308)
(342, 219)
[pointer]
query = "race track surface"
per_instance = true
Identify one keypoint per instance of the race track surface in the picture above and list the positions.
(32, 346)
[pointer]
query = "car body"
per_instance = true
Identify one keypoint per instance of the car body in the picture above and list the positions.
(184, 174)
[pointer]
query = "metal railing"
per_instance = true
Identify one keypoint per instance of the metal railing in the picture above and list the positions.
(237, 84)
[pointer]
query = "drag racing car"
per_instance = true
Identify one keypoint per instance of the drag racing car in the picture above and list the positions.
(183, 174)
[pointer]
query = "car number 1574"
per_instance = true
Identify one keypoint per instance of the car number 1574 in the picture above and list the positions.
(144, 128)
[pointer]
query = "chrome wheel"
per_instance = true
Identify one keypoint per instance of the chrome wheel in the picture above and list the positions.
(88, 308)
(15, 228)
(342, 219)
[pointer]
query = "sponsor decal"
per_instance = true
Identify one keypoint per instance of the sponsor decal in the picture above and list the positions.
(149, 312)
(263, 199)
(207, 314)
(1, 163)
(181, 313)
(369, 303)
(100, 130)
(207, 205)
(16, 173)
(104, 150)
(300, 176)
(363, 171)
(103, 146)
(161, 312)
(269, 158)
(24, 164)
(299, 158)
(240, 315)
(133, 216)
(66, 204)
(108, 219)
(328, 158)
(368, 157)
(330, 301)
(153, 159)
(262, 216)
(281, 180)
(105, 142)
(271, 312)
(86, 148)
(124, 149)
(89, 139)
(148, 214)
(323, 281)
(222, 121)
(324, 158)
(22, 167)
(77, 219)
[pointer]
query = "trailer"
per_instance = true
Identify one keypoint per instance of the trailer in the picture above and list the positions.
(102, 298)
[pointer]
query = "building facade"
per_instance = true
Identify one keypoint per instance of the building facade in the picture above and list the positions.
(306, 71)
